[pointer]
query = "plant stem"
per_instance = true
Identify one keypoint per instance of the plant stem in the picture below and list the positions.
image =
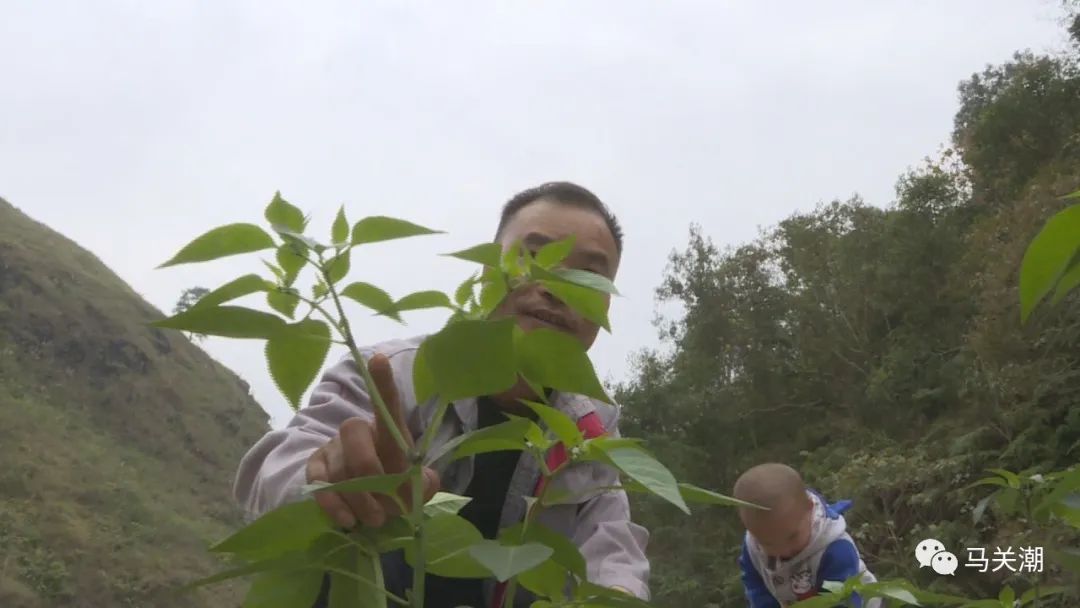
(1028, 512)
(530, 517)
(416, 473)
(377, 585)
(419, 574)
(373, 390)
(511, 590)
(429, 433)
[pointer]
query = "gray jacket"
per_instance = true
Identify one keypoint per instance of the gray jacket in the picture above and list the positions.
(272, 473)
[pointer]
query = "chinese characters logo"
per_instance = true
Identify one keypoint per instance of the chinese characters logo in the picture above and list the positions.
(932, 553)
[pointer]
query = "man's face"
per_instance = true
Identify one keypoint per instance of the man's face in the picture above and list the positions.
(544, 221)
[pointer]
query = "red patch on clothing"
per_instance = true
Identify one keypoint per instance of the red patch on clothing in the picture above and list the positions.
(591, 427)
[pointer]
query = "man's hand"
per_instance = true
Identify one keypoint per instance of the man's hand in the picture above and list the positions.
(362, 449)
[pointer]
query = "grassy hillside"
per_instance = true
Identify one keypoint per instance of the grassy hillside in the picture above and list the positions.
(118, 441)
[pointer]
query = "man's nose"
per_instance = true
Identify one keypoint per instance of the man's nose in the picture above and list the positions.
(549, 297)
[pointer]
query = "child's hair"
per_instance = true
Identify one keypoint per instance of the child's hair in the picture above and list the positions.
(772, 485)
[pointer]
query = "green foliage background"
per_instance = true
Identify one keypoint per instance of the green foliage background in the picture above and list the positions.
(879, 351)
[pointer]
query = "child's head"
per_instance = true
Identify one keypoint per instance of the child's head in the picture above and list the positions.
(784, 530)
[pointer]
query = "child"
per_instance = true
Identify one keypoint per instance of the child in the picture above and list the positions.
(790, 550)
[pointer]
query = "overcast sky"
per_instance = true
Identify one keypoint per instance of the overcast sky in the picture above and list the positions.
(132, 127)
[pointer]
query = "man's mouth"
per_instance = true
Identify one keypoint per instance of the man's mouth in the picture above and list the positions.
(548, 318)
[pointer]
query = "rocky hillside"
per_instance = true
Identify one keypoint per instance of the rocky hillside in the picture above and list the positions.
(118, 440)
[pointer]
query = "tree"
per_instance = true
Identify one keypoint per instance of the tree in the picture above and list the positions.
(188, 298)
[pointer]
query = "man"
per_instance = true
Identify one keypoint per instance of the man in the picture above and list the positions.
(339, 436)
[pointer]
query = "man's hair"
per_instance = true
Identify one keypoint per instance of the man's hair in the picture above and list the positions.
(565, 193)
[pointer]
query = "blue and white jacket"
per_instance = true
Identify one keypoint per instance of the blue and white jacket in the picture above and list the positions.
(830, 556)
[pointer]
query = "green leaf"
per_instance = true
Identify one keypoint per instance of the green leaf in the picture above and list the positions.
(380, 228)
(488, 254)
(694, 494)
(899, 594)
(285, 529)
(565, 552)
(1063, 486)
(284, 589)
(1069, 281)
(988, 481)
(534, 437)
(338, 266)
(512, 260)
(925, 597)
(1006, 500)
(640, 466)
(592, 305)
(548, 579)
(295, 355)
(472, 358)
(828, 600)
(554, 252)
(1073, 195)
(423, 380)
(504, 436)
(298, 241)
(464, 291)
(1011, 478)
(564, 427)
(290, 262)
(1069, 558)
(339, 232)
(444, 503)
(245, 285)
(587, 279)
(225, 321)
(285, 302)
(348, 591)
(1007, 596)
(291, 561)
(1068, 510)
(834, 586)
(223, 241)
(319, 289)
(492, 291)
(557, 360)
(372, 297)
(280, 213)
(279, 274)
(383, 484)
(506, 561)
(1048, 257)
(980, 508)
(447, 540)
(423, 299)
(1030, 594)
(393, 535)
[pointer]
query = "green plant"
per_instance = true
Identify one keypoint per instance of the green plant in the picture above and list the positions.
(1051, 264)
(288, 549)
(1052, 260)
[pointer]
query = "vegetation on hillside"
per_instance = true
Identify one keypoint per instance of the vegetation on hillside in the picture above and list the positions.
(881, 352)
(118, 441)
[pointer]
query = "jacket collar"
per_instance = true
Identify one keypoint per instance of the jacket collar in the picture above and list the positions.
(574, 406)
